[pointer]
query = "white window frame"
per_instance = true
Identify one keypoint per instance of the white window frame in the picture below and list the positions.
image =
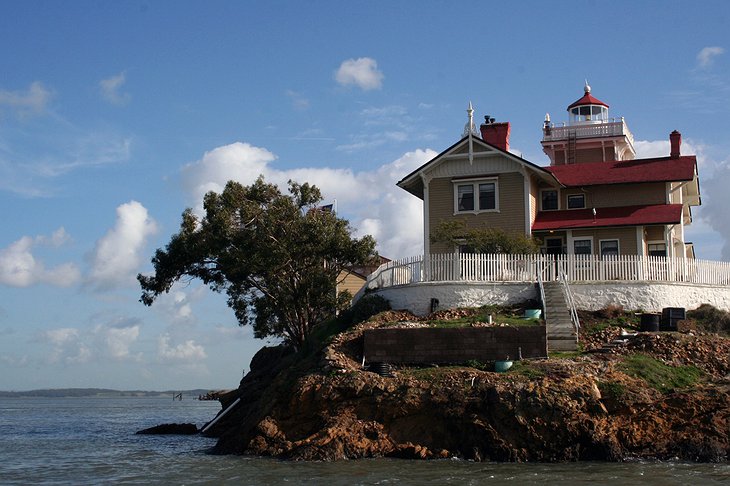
(657, 242)
(618, 246)
(475, 185)
(557, 194)
(581, 238)
(567, 201)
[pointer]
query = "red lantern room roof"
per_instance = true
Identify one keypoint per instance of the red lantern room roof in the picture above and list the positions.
(587, 99)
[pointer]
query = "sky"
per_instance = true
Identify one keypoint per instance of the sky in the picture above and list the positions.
(116, 116)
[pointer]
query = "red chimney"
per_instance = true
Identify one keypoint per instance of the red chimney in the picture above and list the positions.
(496, 134)
(675, 140)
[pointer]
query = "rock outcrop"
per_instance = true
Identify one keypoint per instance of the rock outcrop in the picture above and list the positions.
(323, 406)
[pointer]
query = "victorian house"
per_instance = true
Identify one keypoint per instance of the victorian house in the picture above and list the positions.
(595, 197)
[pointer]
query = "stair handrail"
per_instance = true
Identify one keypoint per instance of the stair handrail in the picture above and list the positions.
(571, 303)
(542, 294)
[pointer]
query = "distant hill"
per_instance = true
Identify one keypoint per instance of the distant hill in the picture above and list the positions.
(99, 392)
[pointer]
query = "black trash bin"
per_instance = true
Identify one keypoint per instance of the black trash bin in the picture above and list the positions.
(650, 322)
(670, 317)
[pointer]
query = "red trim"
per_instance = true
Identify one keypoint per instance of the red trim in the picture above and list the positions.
(587, 99)
(619, 216)
(662, 169)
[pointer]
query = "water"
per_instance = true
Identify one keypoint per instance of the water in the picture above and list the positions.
(92, 441)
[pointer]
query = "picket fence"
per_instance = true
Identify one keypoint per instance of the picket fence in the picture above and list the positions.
(526, 268)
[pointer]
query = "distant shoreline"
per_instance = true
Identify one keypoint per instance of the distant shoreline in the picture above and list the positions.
(101, 393)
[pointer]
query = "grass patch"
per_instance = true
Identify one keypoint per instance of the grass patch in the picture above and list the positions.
(431, 374)
(566, 354)
(612, 390)
(527, 369)
(511, 316)
(658, 375)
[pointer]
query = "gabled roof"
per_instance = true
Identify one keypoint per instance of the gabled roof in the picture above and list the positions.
(413, 184)
(588, 99)
(660, 169)
(618, 216)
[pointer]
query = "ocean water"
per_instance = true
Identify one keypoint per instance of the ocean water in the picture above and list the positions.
(92, 441)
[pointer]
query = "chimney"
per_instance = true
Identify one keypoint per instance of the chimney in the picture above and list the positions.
(496, 134)
(675, 140)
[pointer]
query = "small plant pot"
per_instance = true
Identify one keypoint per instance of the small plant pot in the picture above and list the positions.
(502, 366)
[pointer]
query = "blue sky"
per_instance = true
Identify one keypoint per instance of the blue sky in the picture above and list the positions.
(115, 116)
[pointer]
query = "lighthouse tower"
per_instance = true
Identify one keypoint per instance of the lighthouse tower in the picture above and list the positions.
(589, 136)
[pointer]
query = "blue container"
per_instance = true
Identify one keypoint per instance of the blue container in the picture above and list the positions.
(502, 366)
(533, 313)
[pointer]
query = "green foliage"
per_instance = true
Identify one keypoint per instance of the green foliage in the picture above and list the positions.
(476, 364)
(276, 256)
(484, 239)
(527, 369)
(658, 375)
(710, 318)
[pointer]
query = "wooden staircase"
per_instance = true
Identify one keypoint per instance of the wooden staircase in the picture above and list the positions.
(561, 333)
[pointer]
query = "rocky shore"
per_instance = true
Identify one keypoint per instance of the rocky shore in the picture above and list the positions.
(658, 396)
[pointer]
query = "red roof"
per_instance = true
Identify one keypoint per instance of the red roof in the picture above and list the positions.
(620, 216)
(588, 99)
(661, 169)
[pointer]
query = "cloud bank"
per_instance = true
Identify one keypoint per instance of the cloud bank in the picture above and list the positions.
(369, 199)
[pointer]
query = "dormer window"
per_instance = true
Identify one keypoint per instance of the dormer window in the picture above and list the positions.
(576, 201)
(549, 199)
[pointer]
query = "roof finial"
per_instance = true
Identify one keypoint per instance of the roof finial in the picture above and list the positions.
(587, 87)
(470, 128)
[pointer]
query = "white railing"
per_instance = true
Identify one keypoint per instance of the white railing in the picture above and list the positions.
(525, 268)
(609, 129)
(571, 303)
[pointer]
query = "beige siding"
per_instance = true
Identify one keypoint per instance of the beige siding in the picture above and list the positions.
(588, 155)
(626, 237)
(654, 233)
(623, 195)
(534, 199)
(350, 282)
(510, 217)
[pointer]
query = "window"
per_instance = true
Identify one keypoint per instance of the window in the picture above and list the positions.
(576, 201)
(657, 249)
(466, 198)
(486, 196)
(609, 248)
(476, 196)
(549, 200)
(582, 247)
(554, 246)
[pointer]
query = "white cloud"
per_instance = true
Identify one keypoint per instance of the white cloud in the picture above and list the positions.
(369, 199)
(187, 351)
(706, 56)
(237, 161)
(176, 306)
(20, 268)
(110, 89)
(362, 72)
(33, 100)
(117, 254)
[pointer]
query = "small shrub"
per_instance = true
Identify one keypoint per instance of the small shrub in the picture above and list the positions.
(611, 311)
(711, 319)
(366, 307)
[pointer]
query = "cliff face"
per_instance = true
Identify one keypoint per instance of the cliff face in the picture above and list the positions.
(582, 408)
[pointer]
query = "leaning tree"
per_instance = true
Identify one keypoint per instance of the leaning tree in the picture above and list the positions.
(277, 256)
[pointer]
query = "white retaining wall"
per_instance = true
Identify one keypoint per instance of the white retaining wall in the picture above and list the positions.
(646, 296)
